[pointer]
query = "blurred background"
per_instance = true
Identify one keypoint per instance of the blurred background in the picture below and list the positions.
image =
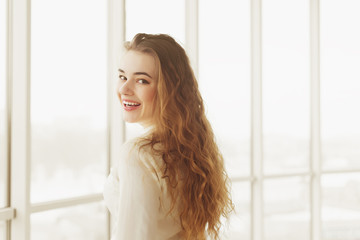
(281, 84)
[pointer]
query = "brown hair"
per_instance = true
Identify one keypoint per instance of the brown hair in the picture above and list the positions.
(194, 166)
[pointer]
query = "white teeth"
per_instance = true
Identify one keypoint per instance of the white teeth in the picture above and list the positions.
(131, 103)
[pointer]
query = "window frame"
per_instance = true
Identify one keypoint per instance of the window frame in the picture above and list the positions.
(19, 80)
(7, 213)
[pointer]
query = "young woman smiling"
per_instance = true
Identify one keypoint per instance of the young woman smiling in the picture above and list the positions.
(170, 182)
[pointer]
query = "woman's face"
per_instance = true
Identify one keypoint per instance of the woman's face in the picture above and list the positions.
(137, 87)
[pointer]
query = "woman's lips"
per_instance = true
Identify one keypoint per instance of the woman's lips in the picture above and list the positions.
(130, 105)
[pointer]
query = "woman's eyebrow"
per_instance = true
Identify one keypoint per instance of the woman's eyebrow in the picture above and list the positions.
(137, 73)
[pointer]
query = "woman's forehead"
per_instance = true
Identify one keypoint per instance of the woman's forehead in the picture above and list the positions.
(135, 61)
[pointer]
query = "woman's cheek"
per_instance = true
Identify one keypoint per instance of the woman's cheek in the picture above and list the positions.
(149, 95)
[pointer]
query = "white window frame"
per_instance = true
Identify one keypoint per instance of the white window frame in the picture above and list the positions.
(192, 33)
(7, 213)
(19, 85)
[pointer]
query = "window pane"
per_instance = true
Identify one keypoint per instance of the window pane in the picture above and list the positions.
(286, 85)
(340, 86)
(341, 206)
(286, 209)
(68, 98)
(3, 142)
(224, 77)
(156, 16)
(239, 224)
(79, 222)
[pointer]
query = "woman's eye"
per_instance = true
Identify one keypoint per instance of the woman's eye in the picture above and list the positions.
(143, 81)
(122, 77)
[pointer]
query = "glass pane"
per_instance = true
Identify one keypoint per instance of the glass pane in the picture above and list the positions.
(2, 230)
(341, 206)
(3, 139)
(286, 206)
(224, 77)
(79, 222)
(239, 223)
(149, 18)
(286, 85)
(156, 16)
(68, 98)
(340, 86)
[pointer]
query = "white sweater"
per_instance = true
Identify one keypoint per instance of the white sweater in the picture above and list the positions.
(137, 197)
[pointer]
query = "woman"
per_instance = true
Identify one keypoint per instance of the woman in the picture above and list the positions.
(170, 183)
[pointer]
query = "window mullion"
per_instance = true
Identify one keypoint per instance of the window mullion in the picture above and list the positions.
(315, 153)
(62, 203)
(8, 119)
(116, 127)
(192, 33)
(116, 36)
(257, 226)
(19, 77)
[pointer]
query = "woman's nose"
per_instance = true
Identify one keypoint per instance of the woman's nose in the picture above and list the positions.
(125, 88)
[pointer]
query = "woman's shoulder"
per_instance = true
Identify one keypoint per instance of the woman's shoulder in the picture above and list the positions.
(135, 147)
(136, 152)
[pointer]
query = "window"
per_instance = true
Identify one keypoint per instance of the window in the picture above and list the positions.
(68, 116)
(286, 86)
(68, 104)
(77, 222)
(289, 182)
(286, 119)
(157, 16)
(224, 80)
(340, 73)
(287, 208)
(340, 56)
(340, 209)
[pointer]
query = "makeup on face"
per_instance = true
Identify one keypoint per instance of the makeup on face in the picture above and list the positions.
(137, 87)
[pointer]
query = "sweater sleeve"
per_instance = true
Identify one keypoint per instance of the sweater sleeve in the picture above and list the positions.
(139, 197)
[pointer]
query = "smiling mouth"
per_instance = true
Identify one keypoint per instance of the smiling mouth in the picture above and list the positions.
(130, 105)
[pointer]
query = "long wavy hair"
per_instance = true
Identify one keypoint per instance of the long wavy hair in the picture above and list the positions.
(194, 167)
